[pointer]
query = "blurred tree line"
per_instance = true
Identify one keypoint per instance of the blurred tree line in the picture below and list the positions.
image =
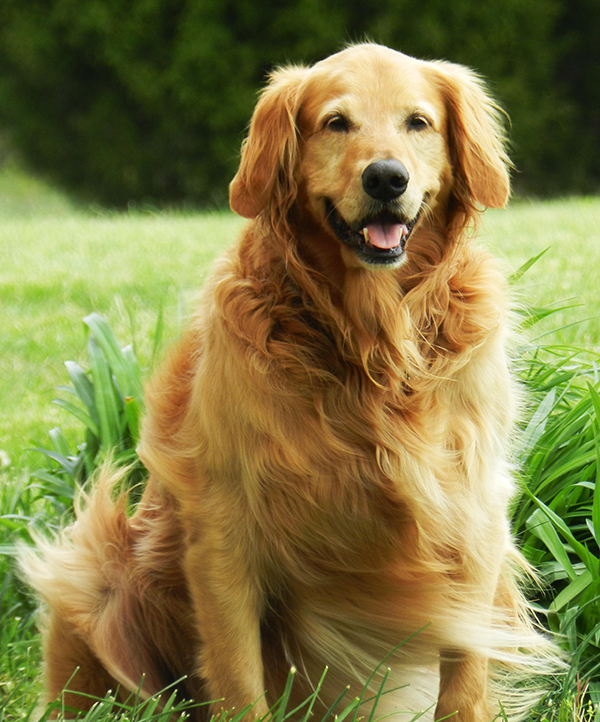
(147, 100)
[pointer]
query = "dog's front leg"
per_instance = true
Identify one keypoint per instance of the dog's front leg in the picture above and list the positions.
(464, 669)
(227, 602)
(463, 687)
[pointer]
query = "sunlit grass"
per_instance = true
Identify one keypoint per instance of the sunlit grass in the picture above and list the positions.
(570, 229)
(54, 271)
(57, 268)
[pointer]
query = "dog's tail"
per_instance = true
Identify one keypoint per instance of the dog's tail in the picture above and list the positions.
(524, 672)
(93, 580)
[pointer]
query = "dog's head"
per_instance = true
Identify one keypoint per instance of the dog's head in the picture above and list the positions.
(371, 145)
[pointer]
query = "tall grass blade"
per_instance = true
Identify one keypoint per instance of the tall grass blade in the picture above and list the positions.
(539, 524)
(83, 387)
(54, 486)
(331, 711)
(575, 588)
(590, 561)
(532, 315)
(79, 414)
(159, 330)
(127, 377)
(351, 709)
(380, 692)
(105, 397)
(281, 706)
(537, 424)
(132, 413)
(517, 275)
(59, 441)
(66, 465)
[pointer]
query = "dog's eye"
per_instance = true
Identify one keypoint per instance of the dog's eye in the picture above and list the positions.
(338, 123)
(417, 122)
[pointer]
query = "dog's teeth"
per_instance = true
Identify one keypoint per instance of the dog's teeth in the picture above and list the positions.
(365, 232)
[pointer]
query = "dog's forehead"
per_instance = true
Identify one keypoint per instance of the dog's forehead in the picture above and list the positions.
(370, 77)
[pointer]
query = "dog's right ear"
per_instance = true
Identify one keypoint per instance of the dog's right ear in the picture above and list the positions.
(270, 152)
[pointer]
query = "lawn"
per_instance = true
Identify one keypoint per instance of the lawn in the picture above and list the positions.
(61, 262)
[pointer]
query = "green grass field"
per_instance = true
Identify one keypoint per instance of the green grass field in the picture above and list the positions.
(60, 262)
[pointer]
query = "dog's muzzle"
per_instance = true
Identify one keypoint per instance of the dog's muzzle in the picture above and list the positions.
(379, 239)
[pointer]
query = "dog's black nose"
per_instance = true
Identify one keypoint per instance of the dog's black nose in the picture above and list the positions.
(385, 180)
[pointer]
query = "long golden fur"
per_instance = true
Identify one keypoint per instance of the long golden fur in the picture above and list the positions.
(327, 444)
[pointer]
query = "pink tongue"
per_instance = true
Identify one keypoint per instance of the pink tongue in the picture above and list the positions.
(383, 235)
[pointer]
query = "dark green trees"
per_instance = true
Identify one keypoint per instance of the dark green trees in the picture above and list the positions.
(147, 100)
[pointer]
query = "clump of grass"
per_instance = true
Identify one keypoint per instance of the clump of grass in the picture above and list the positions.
(108, 400)
(557, 513)
(19, 657)
(557, 517)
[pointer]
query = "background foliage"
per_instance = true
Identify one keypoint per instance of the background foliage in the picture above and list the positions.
(141, 101)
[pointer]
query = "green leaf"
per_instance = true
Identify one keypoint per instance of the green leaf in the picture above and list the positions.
(132, 413)
(310, 702)
(568, 627)
(537, 424)
(78, 413)
(375, 672)
(59, 441)
(279, 715)
(379, 694)
(595, 399)
(126, 375)
(583, 458)
(352, 708)
(335, 703)
(54, 485)
(45, 476)
(83, 386)
(514, 277)
(158, 335)
(67, 390)
(590, 561)
(541, 527)
(67, 465)
(574, 589)
(534, 315)
(564, 327)
(105, 396)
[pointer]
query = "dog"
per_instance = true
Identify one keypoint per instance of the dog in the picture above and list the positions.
(329, 443)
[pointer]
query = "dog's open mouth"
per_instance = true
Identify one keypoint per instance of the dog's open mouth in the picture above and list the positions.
(379, 239)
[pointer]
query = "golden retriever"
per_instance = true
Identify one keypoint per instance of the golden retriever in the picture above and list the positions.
(327, 444)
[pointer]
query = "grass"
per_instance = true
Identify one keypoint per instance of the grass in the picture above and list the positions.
(60, 263)
(569, 230)
(141, 270)
(58, 267)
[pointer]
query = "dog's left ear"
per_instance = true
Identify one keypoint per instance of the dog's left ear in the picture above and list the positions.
(270, 152)
(476, 136)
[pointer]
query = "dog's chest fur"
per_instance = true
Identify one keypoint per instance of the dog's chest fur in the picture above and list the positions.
(371, 436)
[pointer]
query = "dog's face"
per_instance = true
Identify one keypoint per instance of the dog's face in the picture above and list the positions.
(374, 154)
(372, 145)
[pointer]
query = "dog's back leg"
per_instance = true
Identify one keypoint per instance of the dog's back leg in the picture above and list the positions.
(118, 614)
(72, 667)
